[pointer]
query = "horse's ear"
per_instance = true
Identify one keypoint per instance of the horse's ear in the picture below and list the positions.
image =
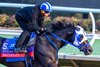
(78, 24)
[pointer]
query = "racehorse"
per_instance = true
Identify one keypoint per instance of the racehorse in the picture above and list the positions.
(48, 44)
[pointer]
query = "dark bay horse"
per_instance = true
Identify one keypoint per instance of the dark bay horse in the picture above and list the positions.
(48, 44)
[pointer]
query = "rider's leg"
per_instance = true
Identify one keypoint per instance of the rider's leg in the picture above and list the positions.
(23, 39)
(25, 35)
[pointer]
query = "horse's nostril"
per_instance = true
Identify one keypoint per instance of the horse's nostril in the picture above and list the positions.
(91, 50)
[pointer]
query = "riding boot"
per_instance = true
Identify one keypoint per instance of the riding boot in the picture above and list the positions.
(22, 42)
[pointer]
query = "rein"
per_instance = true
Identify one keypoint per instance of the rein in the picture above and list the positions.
(54, 45)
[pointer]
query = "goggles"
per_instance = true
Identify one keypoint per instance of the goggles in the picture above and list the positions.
(47, 12)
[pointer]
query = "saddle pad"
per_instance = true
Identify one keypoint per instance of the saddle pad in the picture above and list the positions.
(7, 49)
(15, 59)
(12, 55)
(21, 56)
(18, 57)
(31, 51)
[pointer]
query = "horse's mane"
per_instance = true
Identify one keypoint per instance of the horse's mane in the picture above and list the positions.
(62, 30)
(61, 26)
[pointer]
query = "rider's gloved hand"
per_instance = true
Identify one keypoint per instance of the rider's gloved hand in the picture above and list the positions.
(47, 30)
(41, 31)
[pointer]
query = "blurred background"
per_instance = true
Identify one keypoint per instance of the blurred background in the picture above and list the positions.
(91, 24)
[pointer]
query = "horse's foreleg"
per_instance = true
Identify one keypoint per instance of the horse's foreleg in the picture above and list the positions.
(36, 64)
(48, 62)
(43, 64)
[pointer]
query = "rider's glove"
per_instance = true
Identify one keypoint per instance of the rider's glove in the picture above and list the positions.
(41, 31)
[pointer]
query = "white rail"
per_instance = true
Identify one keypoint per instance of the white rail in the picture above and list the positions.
(80, 57)
(93, 28)
(10, 32)
(57, 8)
(18, 32)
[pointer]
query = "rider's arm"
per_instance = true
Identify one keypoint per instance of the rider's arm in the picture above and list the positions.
(37, 22)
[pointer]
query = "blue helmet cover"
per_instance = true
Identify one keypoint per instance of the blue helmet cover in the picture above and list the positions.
(46, 7)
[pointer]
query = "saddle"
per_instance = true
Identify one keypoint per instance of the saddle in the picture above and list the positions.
(7, 50)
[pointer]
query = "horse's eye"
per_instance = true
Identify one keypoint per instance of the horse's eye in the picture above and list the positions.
(80, 37)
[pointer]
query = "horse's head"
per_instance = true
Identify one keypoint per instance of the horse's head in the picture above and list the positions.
(80, 40)
(74, 35)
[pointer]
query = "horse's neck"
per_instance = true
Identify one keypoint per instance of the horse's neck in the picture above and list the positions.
(58, 42)
(66, 34)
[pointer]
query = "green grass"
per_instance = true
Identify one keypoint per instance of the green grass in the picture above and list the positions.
(2, 65)
(6, 36)
(96, 47)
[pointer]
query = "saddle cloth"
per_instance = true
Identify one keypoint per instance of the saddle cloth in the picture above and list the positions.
(7, 51)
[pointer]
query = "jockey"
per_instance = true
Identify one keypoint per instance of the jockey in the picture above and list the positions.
(30, 19)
